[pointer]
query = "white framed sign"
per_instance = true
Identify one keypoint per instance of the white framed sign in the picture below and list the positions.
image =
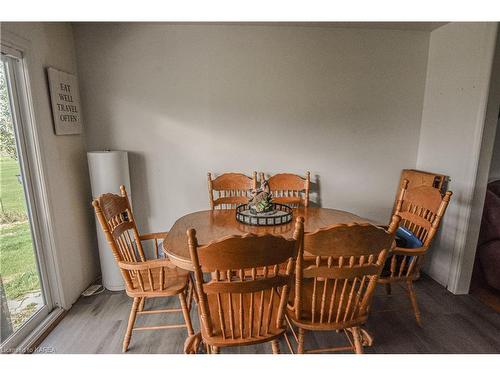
(65, 99)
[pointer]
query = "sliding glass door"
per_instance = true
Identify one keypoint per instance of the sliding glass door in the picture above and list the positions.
(25, 300)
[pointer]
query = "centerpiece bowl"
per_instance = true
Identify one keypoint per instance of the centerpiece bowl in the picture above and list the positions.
(278, 214)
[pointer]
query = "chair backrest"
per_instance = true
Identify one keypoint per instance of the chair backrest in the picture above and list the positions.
(335, 285)
(118, 224)
(290, 189)
(230, 189)
(417, 178)
(245, 271)
(421, 209)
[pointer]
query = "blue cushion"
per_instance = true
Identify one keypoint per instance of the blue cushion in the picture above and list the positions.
(406, 239)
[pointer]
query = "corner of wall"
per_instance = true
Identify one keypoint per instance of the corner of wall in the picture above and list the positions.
(451, 137)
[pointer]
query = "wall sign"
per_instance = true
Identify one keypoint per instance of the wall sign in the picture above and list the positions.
(65, 99)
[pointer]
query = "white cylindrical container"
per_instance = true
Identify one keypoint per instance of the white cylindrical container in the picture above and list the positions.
(108, 170)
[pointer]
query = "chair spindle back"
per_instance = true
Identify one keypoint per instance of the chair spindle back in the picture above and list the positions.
(421, 210)
(290, 189)
(117, 221)
(230, 189)
(335, 285)
(241, 302)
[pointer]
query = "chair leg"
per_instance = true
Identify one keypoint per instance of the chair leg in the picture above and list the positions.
(276, 346)
(141, 304)
(288, 343)
(388, 289)
(192, 344)
(413, 299)
(193, 285)
(366, 338)
(358, 346)
(190, 295)
(300, 347)
(215, 350)
(185, 313)
(131, 322)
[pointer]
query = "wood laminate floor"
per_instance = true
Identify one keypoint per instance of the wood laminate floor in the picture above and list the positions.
(451, 324)
(488, 296)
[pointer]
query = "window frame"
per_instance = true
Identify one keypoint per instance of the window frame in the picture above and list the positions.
(37, 198)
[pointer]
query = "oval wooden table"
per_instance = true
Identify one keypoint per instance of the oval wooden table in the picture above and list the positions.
(211, 225)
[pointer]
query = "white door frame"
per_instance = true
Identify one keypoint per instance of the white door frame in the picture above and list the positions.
(38, 205)
(462, 261)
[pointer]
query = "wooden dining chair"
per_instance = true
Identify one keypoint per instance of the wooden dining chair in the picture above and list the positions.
(335, 283)
(230, 189)
(421, 210)
(417, 178)
(244, 301)
(143, 278)
(290, 189)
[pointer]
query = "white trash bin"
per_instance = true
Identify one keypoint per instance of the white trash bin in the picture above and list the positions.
(108, 170)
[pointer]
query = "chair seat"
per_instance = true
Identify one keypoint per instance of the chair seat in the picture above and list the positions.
(248, 338)
(307, 321)
(175, 280)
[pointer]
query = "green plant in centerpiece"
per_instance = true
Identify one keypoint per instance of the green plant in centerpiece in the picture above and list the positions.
(266, 204)
(262, 199)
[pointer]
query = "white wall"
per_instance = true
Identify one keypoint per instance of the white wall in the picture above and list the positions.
(64, 160)
(453, 119)
(188, 99)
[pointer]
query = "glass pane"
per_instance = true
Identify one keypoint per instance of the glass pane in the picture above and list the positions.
(20, 287)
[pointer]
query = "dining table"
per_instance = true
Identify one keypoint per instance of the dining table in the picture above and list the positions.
(211, 225)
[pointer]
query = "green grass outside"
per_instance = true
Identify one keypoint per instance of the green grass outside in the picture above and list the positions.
(11, 191)
(17, 258)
